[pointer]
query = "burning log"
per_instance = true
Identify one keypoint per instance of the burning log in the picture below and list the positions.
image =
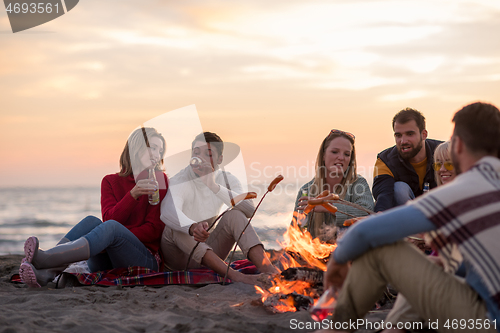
(312, 275)
(289, 302)
(304, 262)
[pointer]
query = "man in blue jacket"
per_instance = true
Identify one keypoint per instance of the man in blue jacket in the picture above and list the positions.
(464, 212)
(401, 171)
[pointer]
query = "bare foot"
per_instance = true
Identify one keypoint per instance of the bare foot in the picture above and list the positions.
(253, 279)
(270, 269)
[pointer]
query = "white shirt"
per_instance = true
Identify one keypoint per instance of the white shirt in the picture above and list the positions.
(189, 200)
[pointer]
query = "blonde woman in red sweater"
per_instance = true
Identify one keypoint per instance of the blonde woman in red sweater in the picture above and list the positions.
(131, 232)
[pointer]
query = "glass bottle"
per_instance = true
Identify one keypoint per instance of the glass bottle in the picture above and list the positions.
(195, 161)
(426, 188)
(325, 305)
(154, 198)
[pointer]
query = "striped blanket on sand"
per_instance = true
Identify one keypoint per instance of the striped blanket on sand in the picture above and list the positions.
(140, 276)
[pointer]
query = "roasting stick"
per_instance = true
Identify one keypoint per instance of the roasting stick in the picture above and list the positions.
(241, 197)
(218, 217)
(348, 203)
(331, 208)
(341, 212)
(270, 188)
(198, 243)
(326, 199)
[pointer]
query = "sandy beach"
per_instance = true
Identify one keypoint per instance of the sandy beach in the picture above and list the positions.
(212, 308)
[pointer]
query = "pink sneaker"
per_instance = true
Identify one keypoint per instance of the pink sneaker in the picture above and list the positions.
(30, 249)
(28, 276)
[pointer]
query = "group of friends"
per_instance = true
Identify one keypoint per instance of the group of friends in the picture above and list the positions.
(459, 218)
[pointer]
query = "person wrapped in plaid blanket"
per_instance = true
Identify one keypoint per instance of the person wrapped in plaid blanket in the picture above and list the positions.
(444, 253)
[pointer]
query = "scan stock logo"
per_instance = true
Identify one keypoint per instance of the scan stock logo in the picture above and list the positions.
(26, 14)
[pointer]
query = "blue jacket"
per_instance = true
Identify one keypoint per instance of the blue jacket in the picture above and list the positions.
(383, 185)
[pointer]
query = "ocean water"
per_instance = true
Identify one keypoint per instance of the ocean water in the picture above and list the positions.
(49, 213)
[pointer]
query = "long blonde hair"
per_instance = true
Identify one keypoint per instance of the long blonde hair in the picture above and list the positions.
(350, 175)
(319, 184)
(136, 144)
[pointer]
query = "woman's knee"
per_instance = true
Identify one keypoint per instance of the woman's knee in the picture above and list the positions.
(91, 220)
(113, 226)
(83, 227)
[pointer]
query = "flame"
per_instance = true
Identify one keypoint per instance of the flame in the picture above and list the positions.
(286, 305)
(284, 288)
(312, 251)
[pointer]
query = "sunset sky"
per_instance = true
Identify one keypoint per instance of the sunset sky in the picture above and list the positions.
(272, 76)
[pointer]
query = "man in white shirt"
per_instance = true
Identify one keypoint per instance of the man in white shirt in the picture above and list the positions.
(196, 195)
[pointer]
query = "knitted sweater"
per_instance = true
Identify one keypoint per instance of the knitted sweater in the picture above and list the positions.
(358, 192)
(141, 218)
(189, 200)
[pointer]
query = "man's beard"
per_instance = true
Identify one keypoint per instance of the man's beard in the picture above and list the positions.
(454, 159)
(413, 152)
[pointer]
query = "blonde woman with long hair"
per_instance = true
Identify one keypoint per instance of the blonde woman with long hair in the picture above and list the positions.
(336, 171)
(130, 231)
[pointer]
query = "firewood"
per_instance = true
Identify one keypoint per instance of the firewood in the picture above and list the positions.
(297, 257)
(300, 302)
(312, 275)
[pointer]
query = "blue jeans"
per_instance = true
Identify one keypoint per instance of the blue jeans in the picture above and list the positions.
(402, 193)
(122, 248)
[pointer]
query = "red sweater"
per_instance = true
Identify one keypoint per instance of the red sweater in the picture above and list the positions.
(141, 218)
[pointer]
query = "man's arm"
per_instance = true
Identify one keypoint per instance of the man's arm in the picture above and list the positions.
(172, 217)
(381, 229)
(383, 186)
(246, 206)
(378, 230)
(177, 220)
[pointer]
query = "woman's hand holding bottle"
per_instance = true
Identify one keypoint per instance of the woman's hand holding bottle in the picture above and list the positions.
(143, 187)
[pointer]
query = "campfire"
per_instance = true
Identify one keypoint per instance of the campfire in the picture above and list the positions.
(303, 261)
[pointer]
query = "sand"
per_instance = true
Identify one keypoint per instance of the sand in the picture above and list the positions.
(212, 308)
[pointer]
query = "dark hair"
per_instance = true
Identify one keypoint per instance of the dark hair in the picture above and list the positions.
(478, 125)
(137, 142)
(407, 115)
(210, 137)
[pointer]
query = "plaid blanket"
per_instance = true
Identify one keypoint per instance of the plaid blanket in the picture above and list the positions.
(466, 212)
(447, 251)
(140, 276)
